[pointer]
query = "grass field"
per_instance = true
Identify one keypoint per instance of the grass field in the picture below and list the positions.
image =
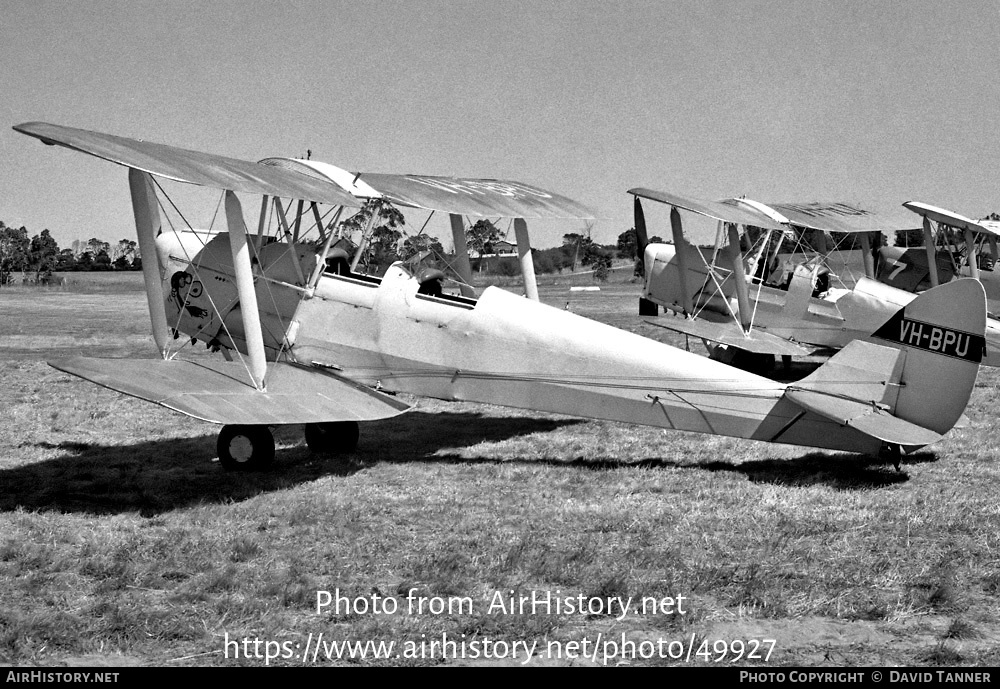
(122, 541)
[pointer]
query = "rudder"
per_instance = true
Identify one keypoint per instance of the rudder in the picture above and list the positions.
(942, 333)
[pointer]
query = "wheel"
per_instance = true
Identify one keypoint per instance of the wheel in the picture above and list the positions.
(892, 452)
(333, 438)
(245, 448)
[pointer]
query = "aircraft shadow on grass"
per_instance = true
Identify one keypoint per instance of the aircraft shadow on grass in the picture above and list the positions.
(168, 473)
(842, 471)
(160, 475)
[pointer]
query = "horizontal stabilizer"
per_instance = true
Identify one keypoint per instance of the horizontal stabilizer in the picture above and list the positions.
(218, 392)
(866, 418)
(856, 388)
(732, 335)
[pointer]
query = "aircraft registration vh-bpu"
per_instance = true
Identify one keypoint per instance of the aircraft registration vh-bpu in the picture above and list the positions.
(306, 340)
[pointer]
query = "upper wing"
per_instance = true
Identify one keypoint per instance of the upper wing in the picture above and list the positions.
(831, 217)
(461, 196)
(483, 197)
(846, 218)
(718, 210)
(992, 226)
(217, 391)
(946, 217)
(193, 167)
(828, 217)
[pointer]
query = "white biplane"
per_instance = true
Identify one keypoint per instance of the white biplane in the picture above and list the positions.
(953, 246)
(740, 290)
(314, 343)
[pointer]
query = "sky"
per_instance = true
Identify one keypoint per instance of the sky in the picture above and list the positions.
(872, 101)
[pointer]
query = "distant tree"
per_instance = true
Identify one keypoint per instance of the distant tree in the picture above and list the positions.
(413, 246)
(552, 260)
(481, 236)
(96, 246)
(42, 256)
(383, 249)
(602, 267)
(628, 244)
(14, 247)
(384, 219)
(542, 261)
(66, 261)
(85, 261)
(507, 267)
(102, 261)
(585, 251)
(594, 253)
(124, 253)
(572, 243)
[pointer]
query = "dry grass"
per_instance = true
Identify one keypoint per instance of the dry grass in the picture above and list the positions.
(123, 542)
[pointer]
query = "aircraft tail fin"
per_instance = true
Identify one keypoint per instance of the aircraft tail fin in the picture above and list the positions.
(911, 383)
(942, 333)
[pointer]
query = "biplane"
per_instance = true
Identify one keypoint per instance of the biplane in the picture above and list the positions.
(738, 289)
(303, 339)
(953, 246)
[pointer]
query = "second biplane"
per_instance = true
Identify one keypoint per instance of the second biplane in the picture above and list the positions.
(953, 246)
(312, 342)
(734, 287)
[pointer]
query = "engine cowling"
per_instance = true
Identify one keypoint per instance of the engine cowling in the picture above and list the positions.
(200, 288)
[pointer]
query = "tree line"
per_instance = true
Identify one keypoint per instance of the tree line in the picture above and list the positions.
(35, 259)
(386, 244)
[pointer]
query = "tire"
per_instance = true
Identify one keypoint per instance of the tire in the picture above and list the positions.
(337, 437)
(245, 448)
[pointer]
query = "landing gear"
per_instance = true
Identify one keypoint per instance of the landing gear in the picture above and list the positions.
(893, 452)
(648, 308)
(333, 438)
(245, 448)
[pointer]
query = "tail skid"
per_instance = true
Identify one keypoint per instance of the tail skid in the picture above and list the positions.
(909, 385)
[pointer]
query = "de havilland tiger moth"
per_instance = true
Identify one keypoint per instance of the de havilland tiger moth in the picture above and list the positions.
(739, 290)
(306, 340)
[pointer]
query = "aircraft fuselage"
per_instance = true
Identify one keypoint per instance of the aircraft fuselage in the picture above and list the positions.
(499, 349)
(792, 313)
